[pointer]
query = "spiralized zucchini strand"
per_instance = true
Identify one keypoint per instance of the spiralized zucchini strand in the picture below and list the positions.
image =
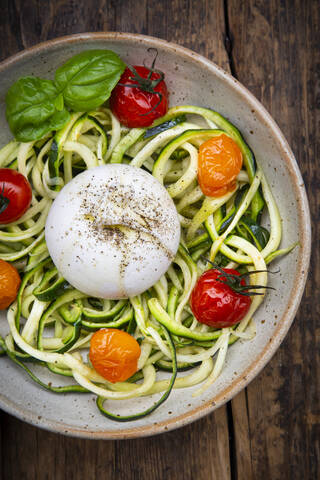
(189, 175)
(159, 141)
(243, 207)
(57, 329)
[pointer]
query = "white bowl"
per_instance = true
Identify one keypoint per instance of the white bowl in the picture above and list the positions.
(194, 80)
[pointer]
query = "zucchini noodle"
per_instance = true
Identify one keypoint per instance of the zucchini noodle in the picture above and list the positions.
(52, 323)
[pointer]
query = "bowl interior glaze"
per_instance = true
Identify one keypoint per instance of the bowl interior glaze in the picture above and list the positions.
(191, 79)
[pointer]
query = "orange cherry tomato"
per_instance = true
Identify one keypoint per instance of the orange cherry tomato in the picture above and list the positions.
(9, 284)
(114, 354)
(219, 162)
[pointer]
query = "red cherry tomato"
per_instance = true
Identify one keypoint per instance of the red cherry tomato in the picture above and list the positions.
(216, 304)
(219, 163)
(15, 195)
(114, 354)
(134, 106)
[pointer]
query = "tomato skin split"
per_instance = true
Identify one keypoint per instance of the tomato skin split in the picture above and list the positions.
(219, 163)
(134, 106)
(114, 354)
(9, 284)
(216, 304)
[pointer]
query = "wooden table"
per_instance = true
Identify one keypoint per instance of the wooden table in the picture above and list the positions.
(271, 430)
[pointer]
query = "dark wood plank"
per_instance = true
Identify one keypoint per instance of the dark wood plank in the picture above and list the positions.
(10, 38)
(276, 55)
(161, 453)
(32, 453)
(199, 451)
(198, 25)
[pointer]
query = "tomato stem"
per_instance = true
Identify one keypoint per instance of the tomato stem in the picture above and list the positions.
(146, 84)
(4, 201)
(234, 281)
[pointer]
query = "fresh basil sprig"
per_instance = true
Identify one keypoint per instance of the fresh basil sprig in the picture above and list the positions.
(35, 106)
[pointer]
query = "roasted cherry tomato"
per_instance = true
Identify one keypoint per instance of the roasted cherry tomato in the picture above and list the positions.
(15, 195)
(140, 97)
(219, 163)
(114, 354)
(9, 284)
(215, 303)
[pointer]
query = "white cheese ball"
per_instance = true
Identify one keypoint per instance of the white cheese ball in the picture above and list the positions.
(113, 231)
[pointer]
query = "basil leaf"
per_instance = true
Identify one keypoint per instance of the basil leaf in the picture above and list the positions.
(31, 110)
(35, 132)
(35, 106)
(87, 79)
(59, 102)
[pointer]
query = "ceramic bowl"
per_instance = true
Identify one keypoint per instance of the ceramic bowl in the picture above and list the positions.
(194, 80)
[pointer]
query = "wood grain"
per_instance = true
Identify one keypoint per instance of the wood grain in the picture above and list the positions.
(280, 41)
(32, 453)
(271, 430)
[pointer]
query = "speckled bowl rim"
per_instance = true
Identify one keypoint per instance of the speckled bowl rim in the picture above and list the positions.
(302, 266)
